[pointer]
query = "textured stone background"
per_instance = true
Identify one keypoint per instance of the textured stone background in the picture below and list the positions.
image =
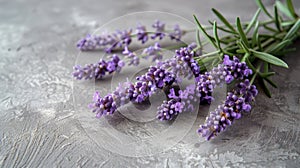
(38, 120)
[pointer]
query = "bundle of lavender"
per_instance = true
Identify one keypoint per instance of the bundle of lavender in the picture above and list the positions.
(243, 57)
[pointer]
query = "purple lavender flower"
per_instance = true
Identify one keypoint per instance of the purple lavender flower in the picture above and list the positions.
(142, 34)
(147, 84)
(88, 43)
(131, 56)
(160, 28)
(106, 41)
(169, 109)
(123, 38)
(235, 69)
(108, 104)
(176, 34)
(154, 52)
(178, 103)
(182, 64)
(92, 42)
(98, 70)
(236, 102)
(205, 84)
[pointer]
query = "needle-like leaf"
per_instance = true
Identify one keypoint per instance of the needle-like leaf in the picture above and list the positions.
(253, 21)
(209, 38)
(241, 32)
(293, 31)
(277, 19)
(222, 18)
(290, 6)
(269, 58)
(262, 7)
(265, 88)
(284, 9)
(215, 29)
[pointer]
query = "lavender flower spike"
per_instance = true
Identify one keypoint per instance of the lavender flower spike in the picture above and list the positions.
(237, 102)
(160, 28)
(98, 70)
(176, 34)
(183, 63)
(146, 85)
(178, 103)
(141, 33)
(154, 52)
(108, 104)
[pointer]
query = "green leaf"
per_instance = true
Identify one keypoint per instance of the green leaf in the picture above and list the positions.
(293, 31)
(241, 32)
(240, 51)
(265, 88)
(270, 82)
(287, 23)
(284, 9)
(215, 29)
(266, 67)
(253, 21)
(224, 20)
(280, 46)
(266, 74)
(255, 36)
(270, 29)
(283, 52)
(291, 8)
(243, 46)
(209, 38)
(249, 64)
(277, 19)
(221, 28)
(262, 7)
(198, 39)
(269, 58)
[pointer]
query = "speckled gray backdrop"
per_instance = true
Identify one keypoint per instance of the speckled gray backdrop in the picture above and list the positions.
(38, 127)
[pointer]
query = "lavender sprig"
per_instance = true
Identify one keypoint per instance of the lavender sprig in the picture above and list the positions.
(178, 103)
(122, 39)
(183, 63)
(237, 102)
(205, 84)
(99, 69)
(157, 77)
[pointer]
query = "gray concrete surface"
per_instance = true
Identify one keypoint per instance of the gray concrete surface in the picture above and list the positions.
(39, 126)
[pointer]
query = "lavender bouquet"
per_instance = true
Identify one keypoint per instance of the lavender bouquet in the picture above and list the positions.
(243, 58)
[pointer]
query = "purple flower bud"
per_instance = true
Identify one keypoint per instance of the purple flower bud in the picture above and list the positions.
(142, 34)
(160, 28)
(176, 34)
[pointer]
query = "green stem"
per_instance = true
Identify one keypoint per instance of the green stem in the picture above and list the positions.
(255, 74)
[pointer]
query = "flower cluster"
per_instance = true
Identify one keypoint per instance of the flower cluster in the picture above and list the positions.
(105, 40)
(183, 63)
(235, 69)
(147, 84)
(159, 30)
(203, 89)
(122, 39)
(177, 33)
(99, 69)
(178, 103)
(153, 52)
(236, 102)
(108, 104)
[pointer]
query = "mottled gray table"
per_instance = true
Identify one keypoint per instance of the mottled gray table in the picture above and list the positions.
(39, 121)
